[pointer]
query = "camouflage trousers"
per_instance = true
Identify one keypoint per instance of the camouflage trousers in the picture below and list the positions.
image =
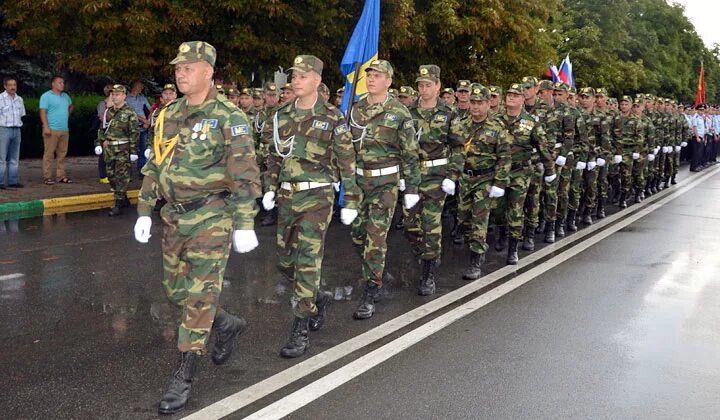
(117, 160)
(303, 221)
(603, 186)
(624, 171)
(661, 162)
(638, 172)
(424, 221)
(650, 169)
(550, 198)
(532, 199)
(510, 206)
(196, 247)
(577, 186)
(670, 164)
(590, 179)
(565, 175)
(464, 207)
(475, 197)
(370, 229)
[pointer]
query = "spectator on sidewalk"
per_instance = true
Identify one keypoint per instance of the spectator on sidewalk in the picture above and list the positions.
(12, 109)
(139, 103)
(102, 107)
(55, 109)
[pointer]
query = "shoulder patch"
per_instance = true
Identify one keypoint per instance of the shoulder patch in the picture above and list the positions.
(440, 118)
(320, 125)
(408, 124)
(341, 129)
(239, 130)
(391, 117)
(211, 121)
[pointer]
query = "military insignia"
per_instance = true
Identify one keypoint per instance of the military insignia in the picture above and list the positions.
(403, 90)
(298, 60)
(490, 133)
(375, 63)
(184, 48)
(440, 118)
(424, 71)
(341, 129)
(320, 125)
(197, 127)
(537, 118)
(526, 125)
(408, 124)
(476, 91)
(213, 122)
(391, 117)
(239, 130)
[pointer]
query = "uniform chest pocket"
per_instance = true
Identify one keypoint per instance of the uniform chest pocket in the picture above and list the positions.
(386, 129)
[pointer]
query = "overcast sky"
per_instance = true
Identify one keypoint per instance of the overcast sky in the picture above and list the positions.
(705, 15)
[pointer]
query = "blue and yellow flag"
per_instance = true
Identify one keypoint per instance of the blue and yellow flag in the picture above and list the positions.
(362, 49)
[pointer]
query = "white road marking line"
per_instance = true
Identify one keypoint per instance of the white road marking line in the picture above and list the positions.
(267, 386)
(11, 276)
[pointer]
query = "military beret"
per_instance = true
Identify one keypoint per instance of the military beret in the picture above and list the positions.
(306, 63)
(192, 51)
(382, 66)
(495, 90)
(625, 98)
(515, 88)
(428, 73)
(562, 87)
(463, 86)
(587, 91)
(169, 86)
(529, 81)
(546, 85)
(232, 92)
(601, 91)
(479, 92)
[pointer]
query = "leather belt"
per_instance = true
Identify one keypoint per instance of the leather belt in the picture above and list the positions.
(378, 172)
(302, 186)
(436, 162)
(520, 165)
(194, 205)
(479, 172)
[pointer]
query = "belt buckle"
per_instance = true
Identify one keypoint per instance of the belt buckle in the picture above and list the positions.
(367, 173)
(179, 208)
(295, 187)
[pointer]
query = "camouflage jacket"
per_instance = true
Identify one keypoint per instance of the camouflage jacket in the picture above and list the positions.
(598, 134)
(259, 121)
(462, 113)
(120, 124)
(317, 146)
(432, 127)
(627, 134)
(681, 128)
(528, 139)
(648, 129)
(223, 161)
(384, 136)
(549, 118)
(486, 150)
(659, 128)
(573, 133)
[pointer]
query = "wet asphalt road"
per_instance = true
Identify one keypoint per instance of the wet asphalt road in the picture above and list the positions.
(625, 329)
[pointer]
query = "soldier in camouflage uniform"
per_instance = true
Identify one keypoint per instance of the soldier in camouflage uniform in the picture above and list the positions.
(406, 96)
(203, 164)
(486, 164)
(432, 119)
(167, 96)
(598, 134)
(602, 106)
(495, 99)
(530, 91)
(651, 168)
(287, 95)
(246, 103)
(448, 96)
(324, 92)
(462, 93)
(627, 141)
(311, 148)
(550, 118)
(528, 139)
(384, 140)
(270, 94)
(648, 131)
(233, 96)
(117, 140)
(258, 98)
(680, 129)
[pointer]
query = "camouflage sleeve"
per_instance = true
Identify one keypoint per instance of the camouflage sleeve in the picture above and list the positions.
(410, 161)
(344, 162)
(503, 158)
(149, 192)
(540, 142)
(272, 159)
(456, 142)
(242, 170)
(605, 140)
(567, 133)
(650, 138)
(617, 133)
(552, 129)
(133, 133)
(582, 146)
(150, 141)
(100, 136)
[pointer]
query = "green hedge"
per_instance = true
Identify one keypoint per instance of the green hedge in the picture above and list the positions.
(82, 133)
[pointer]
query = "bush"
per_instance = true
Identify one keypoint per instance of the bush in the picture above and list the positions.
(83, 126)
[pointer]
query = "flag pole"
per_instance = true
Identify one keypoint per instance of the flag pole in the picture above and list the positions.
(353, 89)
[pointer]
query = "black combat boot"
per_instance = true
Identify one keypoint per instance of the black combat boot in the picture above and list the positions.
(654, 185)
(366, 309)
(322, 301)
(427, 281)
(550, 232)
(560, 228)
(658, 184)
(648, 191)
(541, 227)
(178, 392)
(638, 196)
(227, 328)
(587, 217)
(667, 182)
(672, 180)
(529, 239)
(622, 202)
(459, 234)
(125, 201)
(502, 238)
(512, 255)
(571, 226)
(600, 214)
(270, 218)
(299, 341)
(117, 210)
(474, 272)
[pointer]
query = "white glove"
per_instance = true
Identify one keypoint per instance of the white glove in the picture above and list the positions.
(657, 149)
(98, 150)
(591, 165)
(560, 161)
(336, 186)
(617, 158)
(347, 215)
(601, 162)
(133, 157)
(636, 155)
(668, 149)
(411, 200)
(402, 185)
(651, 157)
(147, 153)
(244, 241)
(268, 200)
(142, 229)
(558, 145)
(540, 166)
(677, 148)
(496, 192)
(683, 144)
(448, 186)
(550, 178)
(580, 166)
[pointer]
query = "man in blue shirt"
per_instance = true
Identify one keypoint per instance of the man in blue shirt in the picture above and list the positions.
(12, 109)
(55, 109)
(139, 103)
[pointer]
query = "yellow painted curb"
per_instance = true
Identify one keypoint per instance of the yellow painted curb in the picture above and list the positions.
(83, 202)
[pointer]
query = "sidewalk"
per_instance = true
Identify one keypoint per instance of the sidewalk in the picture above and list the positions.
(85, 190)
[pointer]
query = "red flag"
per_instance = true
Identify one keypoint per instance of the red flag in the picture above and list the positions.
(700, 96)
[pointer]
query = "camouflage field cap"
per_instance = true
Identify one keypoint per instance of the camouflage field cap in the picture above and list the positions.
(193, 51)
(340, 91)
(428, 73)
(220, 89)
(561, 87)
(232, 92)
(495, 90)
(288, 86)
(406, 91)
(546, 85)
(515, 88)
(306, 63)
(448, 90)
(393, 92)
(625, 98)
(257, 93)
(246, 91)
(529, 81)
(464, 86)
(322, 88)
(169, 86)
(382, 66)
(587, 91)
(118, 88)
(271, 88)
(601, 91)
(572, 90)
(479, 92)
(639, 100)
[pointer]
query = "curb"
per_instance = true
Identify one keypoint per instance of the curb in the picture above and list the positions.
(33, 208)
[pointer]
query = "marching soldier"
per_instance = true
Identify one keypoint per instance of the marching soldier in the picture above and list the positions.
(406, 95)
(462, 94)
(598, 134)
(270, 95)
(627, 140)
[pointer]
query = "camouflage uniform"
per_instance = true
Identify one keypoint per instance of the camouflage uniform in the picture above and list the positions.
(603, 185)
(598, 135)
(119, 139)
(310, 149)
(627, 139)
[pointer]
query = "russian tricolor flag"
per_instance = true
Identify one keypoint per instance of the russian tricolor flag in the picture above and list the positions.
(564, 74)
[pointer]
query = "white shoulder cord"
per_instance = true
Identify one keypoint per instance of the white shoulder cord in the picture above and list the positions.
(354, 124)
(281, 144)
(106, 125)
(259, 126)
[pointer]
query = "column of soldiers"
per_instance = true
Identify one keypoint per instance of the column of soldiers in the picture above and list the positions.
(531, 159)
